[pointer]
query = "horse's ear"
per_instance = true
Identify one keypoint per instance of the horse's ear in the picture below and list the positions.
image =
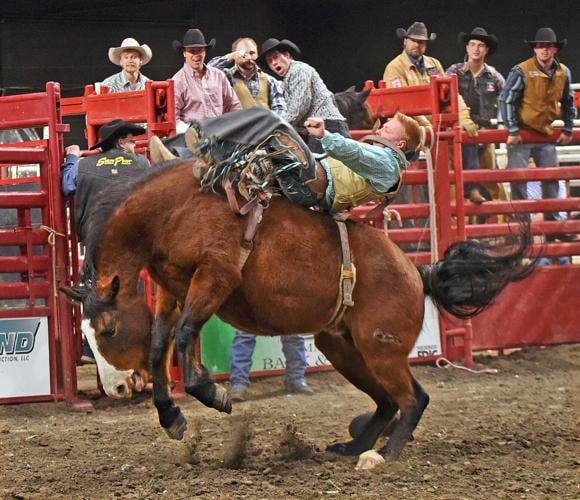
(73, 292)
(377, 125)
(362, 96)
(109, 292)
(158, 152)
(350, 90)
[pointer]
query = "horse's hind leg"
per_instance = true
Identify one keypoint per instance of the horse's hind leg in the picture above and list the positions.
(210, 286)
(170, 416)
(404, 428)
(392, 369)
(345, 358)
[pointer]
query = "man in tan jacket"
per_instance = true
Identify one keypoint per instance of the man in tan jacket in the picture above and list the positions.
(413, 67)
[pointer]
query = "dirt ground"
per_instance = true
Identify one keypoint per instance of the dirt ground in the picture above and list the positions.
(513, 434)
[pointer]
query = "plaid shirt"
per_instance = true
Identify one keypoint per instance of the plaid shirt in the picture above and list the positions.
(275, 95)
(119, 83)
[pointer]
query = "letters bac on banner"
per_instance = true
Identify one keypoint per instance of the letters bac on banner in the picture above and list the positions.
(24, 357)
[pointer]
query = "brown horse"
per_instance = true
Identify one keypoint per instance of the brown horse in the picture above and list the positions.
(189, 241)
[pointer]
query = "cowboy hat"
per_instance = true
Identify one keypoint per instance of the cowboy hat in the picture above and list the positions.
(130, 44)
(546, 35)
(193, 39)
(478, 34)
(417, 31)
(275, 44)
(113, 130)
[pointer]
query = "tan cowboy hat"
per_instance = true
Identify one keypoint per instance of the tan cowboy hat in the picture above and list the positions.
(130, 44)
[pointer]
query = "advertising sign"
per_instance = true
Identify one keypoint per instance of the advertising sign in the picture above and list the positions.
(24, 357)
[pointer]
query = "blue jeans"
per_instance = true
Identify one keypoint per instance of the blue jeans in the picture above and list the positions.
(470, 155)
(544, 155)
(243, 348)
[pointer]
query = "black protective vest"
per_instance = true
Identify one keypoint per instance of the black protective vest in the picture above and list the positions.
(96, 173)
(480, 95)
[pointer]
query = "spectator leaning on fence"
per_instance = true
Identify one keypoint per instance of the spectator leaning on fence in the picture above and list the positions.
(479, 85)
(537, 92)
(131, 57)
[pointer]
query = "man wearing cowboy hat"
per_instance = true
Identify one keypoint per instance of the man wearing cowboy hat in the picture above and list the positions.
(479, 85)
(200, 91)
(116, 163)
(131, 57)
(412, 67)
(537, 92)
(305, 92)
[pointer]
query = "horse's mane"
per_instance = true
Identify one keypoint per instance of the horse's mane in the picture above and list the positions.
(107, 201)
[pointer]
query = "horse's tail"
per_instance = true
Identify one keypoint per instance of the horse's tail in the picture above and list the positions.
(472, 273)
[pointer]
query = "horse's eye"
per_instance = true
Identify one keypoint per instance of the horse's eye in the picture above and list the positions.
(109, 332)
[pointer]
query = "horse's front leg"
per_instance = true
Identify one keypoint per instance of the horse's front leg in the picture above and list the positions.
(170, 416)
(210, 286)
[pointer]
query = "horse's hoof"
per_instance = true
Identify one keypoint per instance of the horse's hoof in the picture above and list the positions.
(342, 449)
(221, 400)
(358, 424)
(369, 460)
(177, 428)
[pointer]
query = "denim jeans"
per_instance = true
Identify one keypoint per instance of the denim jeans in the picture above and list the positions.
(243, 348)
(544, 155)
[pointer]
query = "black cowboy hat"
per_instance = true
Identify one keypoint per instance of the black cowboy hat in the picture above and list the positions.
(417, 31)
(113, 130)
(275, 44)
(478, 34)
(193, 39)
(546, 35)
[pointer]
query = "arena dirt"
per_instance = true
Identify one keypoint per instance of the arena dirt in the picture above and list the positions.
(508, 435)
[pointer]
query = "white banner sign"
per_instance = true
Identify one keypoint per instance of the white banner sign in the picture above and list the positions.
(24, 357)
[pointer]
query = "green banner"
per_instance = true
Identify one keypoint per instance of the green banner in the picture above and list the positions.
(216, 345)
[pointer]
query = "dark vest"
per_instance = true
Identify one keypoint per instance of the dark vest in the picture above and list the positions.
(480, 95)
(96, 173)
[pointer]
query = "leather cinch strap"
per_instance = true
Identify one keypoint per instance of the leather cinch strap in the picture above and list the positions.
(347, 280)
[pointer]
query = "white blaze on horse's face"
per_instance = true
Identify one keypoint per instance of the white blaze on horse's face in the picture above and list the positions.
(279, 62)
(116, 383)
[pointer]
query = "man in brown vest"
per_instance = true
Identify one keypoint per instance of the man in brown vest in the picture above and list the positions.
(252, 86)
(537, 92)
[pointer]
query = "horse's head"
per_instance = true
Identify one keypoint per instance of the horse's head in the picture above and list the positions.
(122, 332)
(352, 105)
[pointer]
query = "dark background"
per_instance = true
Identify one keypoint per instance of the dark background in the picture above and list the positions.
(347, 41)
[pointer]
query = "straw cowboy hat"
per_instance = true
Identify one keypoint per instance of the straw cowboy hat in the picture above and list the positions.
(417, 31)
(275, 44)
(130, 44)
(478, 34)
(193, 39)
(546, 35)
(113, 130)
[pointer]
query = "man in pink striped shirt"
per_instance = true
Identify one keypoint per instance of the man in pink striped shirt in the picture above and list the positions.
(200, 91)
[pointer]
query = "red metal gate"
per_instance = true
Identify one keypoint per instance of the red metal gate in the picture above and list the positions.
(42, 259)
